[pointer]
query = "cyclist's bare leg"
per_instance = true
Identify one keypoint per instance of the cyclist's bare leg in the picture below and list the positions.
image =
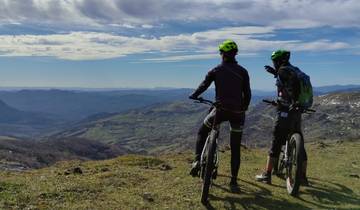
(266, 175)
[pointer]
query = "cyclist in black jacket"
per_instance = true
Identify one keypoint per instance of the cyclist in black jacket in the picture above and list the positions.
(288, 89)
(233, 93)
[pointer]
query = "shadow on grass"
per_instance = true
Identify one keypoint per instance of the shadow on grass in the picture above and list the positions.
(320, 195)
(252, 196)
(326, 194)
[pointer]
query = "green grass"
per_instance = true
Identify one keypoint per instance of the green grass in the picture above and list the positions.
(139, 182)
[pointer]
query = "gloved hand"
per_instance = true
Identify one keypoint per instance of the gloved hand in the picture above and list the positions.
(271, 70)
(193, 97)
(294, 106)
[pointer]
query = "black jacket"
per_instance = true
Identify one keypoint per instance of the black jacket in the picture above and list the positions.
(232, 86)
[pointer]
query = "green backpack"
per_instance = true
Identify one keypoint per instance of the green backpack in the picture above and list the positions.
(306, 91)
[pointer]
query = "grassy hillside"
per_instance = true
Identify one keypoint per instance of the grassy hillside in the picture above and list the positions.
(144, 182)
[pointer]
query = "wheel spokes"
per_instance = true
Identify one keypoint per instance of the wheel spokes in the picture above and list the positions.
(291, 164)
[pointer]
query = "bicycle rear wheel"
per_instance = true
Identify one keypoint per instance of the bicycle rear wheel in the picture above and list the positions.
(209, 167)
(294, 168)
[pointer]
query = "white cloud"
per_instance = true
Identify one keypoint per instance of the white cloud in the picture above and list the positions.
(93, 45)
(148, 26)
(94, 13)
(190, 57)
(183, 58)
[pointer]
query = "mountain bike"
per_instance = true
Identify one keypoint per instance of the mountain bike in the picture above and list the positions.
(291, 158)
(209, 160)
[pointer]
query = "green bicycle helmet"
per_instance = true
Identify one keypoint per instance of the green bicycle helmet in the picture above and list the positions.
(228, 45)
(280, 55)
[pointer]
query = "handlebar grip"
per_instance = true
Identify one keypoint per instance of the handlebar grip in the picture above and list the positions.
(267, 101)
(274, 103)
(203, 101)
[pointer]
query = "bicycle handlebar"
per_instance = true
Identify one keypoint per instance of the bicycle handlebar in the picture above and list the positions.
(204, 101)
(274, 103)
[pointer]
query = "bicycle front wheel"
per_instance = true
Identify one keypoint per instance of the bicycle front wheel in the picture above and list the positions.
(209, 168)
(294, 168)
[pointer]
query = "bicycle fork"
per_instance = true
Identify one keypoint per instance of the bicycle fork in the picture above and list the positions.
(286, 153)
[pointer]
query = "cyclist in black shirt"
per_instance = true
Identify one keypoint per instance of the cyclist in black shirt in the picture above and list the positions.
(233, 93)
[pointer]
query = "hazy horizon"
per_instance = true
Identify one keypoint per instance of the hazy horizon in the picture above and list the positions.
(148, 88)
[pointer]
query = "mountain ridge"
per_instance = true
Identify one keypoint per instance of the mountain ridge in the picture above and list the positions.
(176, 124)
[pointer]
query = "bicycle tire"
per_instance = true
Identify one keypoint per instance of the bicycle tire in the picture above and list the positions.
(293, 180)
(209, 167)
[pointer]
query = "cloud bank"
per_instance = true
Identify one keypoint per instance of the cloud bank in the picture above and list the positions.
(95, 45)
(82, 26)
(278, 13)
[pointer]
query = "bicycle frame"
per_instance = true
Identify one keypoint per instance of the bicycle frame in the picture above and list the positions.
(209, 159)
(215, 131)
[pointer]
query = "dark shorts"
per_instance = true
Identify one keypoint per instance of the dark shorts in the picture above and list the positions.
(286, 123)
(236, 119)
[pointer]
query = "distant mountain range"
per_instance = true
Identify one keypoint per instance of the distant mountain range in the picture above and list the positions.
(173, 126)
(24, 123)
(32, 113)
(336, 88)
(75, 105)
(37, 112)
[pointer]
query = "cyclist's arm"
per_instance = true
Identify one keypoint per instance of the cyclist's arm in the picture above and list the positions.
(247, 90)
(210, 77)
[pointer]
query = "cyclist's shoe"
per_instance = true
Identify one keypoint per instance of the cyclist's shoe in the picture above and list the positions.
(195, 169)
(234, 187)
(304, 181)
(264, 177)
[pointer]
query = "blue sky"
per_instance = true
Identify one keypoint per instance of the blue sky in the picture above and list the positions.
(172, 43)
